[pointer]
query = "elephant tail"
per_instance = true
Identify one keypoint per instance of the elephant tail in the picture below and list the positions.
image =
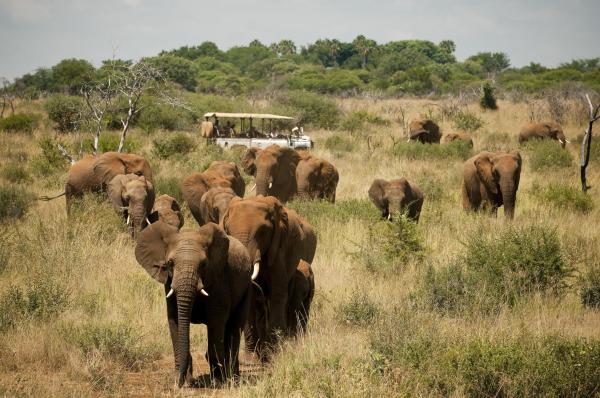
(47, 199)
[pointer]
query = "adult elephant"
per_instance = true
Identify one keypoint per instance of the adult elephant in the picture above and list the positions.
(132, 196)
(215, 203)
(397, 196)
(274, 170)
(424, 131)
(301, 293)
(167, 210)
(206, 275)
(220, 174)
(461, 136)
(541, 131)
(277, 239)
(491, 180)
(316, 178)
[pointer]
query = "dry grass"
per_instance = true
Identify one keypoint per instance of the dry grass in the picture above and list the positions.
(92, 323)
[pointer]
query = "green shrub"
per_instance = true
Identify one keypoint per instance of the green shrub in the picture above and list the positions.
(179, 143)
(488, 101)
(357, 121)
(590, 287)
(564, 197)
(468, 121)
(14, 172)
(159, 116)
(498, 269)
(169, 186)
(312, 109)
(118, 341)
(547, 154)
(14, 201)
(339, 145)
(415, 151)
(389, 245)
(109, 142)
(359, 310)
(433, 189)
(49, 161)
(64, 111)
(18, 123)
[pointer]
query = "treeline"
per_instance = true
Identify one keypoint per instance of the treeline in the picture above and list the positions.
(328, 66)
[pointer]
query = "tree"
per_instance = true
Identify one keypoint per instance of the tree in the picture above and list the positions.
(364, 47)
(492, 63)
(488, 101)
(70, 75)
(177, 69)
(284, 48)
(586, 143)
(8, 96)
(447, 46)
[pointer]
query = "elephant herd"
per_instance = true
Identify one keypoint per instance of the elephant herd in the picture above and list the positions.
(248, 266)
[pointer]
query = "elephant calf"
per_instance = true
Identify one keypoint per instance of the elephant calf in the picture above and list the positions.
(540, 131)
(302, 291)
(167, 210)
(460, 136)
(215, 203)
(316, 178)
(424, 131)
(133, 197)
(397, 196)
(490, 180)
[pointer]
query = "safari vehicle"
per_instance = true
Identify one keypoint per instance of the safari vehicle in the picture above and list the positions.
(272, 131)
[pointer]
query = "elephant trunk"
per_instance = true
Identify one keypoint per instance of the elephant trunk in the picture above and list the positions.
(186, 287)
(137, 216)
(303, 189)
(262, 182)
(509, 197)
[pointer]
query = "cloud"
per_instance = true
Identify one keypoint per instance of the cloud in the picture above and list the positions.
(134, 3)
(27, 11)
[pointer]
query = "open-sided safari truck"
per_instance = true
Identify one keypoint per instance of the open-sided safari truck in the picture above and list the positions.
(272, 129)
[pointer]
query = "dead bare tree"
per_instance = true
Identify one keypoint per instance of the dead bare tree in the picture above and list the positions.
(586, 143)
(8, 97)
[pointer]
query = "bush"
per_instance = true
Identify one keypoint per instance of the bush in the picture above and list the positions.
(547, 154)
(64, 111)
(359, 310)
(169, 186)
(498, 270)
(49, 161)
(590, 287)
(158, 116)
(13, 172)
(109, 142)
(488, 101)
(179, 143)
(356, 121)
(564, 197)
(389, 245)
(416, 151)
(465, 120)
(18, 123)
(14, 201)
(339, 145)
(312, 109)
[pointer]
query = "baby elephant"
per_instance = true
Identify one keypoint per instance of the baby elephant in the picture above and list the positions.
(460, 136)
(167, 210)
(301, 292)
(132, 196)
(214, 204)
(397, 196)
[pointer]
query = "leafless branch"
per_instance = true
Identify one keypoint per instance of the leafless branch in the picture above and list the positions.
(586, 143)
(65, 154)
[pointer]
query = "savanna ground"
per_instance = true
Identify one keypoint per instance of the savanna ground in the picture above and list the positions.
(458, 305)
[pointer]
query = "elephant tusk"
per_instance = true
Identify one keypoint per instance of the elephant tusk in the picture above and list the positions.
(148, 221)
(204, 292)
(270, 185)
(170, 293)
(128, 219)
(567, 141)
(408, 140)
(255, 270)
(389, 217)
(253, 188)
(561, 141)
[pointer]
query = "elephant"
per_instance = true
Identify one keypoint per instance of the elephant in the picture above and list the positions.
(302, 291)
(277, 239)
(460, 136)
(490, 180)
(207, 277)
(548, 130)
(274, 170)
(397, 196)
(316, 178)
(167, 210)
(132, 196)
(214, 204)
(219, 174)
(424, 131)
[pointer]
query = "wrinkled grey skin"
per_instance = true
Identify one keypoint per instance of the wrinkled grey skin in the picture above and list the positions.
(316, 178)
(190, 263)
(215, 203)
(132, 196)
(541, 131)
(397, 196)
(167, 210)
(302, 291)
(491, 180)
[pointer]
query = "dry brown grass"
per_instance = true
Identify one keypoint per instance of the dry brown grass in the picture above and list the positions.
(91, 258)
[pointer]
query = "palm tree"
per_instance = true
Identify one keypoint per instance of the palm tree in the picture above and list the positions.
(364, 47)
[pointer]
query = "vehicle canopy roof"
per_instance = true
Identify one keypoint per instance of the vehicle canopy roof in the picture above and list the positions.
(247, 115)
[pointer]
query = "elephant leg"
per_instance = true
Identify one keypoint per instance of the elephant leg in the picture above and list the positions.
(278, 313)
(216, 349)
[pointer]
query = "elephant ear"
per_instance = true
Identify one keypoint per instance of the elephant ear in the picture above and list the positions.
(108, 166)
(279, 218)
(485, 171)
(152, 248)
(377, 192)
(151, 194)
(217, 245)
(115, 191)
(248, 161)
(233, 201)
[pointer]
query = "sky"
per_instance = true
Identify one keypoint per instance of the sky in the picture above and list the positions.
(40, 33)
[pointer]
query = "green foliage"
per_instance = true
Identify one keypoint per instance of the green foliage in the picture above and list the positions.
(117, 341)
(468, 121)
(177, 69)
(169, 186)
(19, 123)
(16, 173)
(453, 365)
(160, 116)
(70, 75)
(356, 121)
(589, 282)
(389, 245)
(488, 101)
(312, 109)
(416, 151)
(564, 197)
(498, 269)
(358, 310)
(50, 160)
(547, 155)
(339, 145)
(64, 111)
(109, 142)
(174, 144)
(14, 201)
